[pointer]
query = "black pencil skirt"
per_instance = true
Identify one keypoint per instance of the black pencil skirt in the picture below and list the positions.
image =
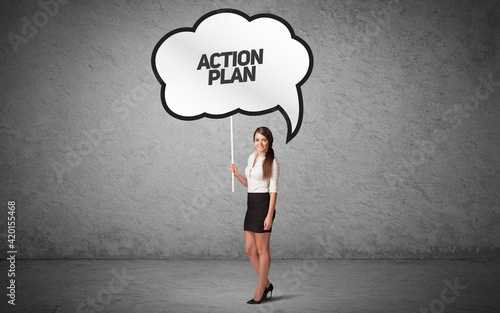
(257, 209)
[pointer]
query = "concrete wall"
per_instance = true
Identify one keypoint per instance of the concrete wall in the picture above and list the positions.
(397, 155)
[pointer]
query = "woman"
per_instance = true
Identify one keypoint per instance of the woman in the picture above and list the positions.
(262, 175)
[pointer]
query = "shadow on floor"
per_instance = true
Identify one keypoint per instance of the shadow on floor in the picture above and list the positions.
(282, 297)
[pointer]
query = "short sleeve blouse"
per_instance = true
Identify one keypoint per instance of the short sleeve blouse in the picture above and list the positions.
(255, 175)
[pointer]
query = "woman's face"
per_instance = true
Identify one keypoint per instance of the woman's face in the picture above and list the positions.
(261, 142)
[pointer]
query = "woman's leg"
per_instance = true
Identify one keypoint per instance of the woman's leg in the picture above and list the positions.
(262, 243)
(251, 249)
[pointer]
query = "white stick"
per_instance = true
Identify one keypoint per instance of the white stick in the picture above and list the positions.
(232, 153)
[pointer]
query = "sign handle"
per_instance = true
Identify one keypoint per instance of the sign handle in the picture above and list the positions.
(232, 153)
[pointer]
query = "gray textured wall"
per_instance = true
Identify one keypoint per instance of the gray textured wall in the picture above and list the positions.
(397, 155)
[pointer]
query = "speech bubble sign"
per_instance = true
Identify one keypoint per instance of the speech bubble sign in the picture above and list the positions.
(229, 63)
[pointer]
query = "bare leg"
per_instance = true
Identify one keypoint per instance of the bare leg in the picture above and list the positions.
(253, 255)
(262, 243)
(251, 249)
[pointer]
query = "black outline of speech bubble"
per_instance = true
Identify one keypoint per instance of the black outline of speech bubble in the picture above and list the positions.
(278, 107)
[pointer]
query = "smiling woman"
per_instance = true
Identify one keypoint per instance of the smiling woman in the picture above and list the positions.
(262, 174)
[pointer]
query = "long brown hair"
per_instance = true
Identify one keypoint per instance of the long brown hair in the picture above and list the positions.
(267, 166)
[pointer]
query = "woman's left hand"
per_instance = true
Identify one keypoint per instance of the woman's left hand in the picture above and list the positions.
(268, 223)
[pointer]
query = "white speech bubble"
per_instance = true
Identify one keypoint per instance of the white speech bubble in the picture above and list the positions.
(230, 63)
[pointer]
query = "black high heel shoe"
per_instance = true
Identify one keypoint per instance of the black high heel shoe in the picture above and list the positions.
(270, 289)
(263, 298)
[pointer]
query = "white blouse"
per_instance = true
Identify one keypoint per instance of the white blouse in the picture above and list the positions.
(255, 175)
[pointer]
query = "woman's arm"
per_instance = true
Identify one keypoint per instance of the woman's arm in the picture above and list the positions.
(237, 174)
(273, 190)
(268, 222)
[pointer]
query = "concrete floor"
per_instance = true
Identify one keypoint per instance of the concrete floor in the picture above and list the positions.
(225, 286)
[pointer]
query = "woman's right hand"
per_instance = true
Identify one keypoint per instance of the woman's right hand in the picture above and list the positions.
(234, 169)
